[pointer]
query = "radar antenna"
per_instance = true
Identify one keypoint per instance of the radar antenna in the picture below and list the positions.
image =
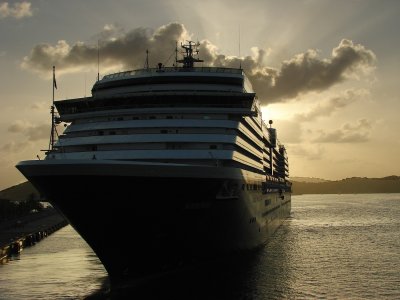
(188, 59)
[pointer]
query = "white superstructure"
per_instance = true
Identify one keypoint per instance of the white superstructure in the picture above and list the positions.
(203, 116)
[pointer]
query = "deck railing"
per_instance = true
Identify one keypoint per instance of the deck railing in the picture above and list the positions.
(173, 69)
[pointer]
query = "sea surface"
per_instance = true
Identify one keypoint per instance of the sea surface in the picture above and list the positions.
(332, 247)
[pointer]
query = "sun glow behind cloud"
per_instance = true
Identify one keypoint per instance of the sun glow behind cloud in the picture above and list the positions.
(294, 96)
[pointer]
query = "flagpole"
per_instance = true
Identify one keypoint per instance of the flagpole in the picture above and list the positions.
(51, 146)
(54, 81)
(98, 60)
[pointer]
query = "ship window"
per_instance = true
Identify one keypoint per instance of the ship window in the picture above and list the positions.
(120, 119)
(169, 117)
(267, 202)
(112, 132)
(135, 118)
(213, 146)
(101, 132)
(164, 131)
(152, 117)
(94, 148)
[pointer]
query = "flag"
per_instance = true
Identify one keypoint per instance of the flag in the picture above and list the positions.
(54, 78)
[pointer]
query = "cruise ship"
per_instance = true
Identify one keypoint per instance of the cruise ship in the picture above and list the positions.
(167, 165)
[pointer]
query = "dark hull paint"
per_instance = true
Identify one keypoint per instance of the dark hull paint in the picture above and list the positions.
(140, 226)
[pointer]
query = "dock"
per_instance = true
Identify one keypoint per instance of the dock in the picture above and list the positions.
(28, 230)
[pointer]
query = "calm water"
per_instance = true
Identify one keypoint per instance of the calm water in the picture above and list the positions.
(332, 247)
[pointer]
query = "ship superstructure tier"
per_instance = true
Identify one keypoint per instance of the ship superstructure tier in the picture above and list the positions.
(200, 116)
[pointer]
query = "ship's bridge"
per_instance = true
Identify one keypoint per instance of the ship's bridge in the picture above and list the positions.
(173, 79)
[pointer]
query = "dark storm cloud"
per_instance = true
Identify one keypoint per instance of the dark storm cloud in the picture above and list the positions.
(349, 133)
(303, 73)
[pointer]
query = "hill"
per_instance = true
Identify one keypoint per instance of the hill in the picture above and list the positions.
(308, 179)
(19, 192)
(353, 185)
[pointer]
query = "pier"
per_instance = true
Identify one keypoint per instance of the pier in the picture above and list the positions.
(27, 231)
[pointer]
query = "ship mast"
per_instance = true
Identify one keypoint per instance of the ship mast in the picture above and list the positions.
(188, 59)
(53, 131)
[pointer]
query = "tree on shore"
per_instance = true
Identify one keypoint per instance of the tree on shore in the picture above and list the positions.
(10, 209)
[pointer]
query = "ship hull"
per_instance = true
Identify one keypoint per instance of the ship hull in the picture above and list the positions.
(142, 219)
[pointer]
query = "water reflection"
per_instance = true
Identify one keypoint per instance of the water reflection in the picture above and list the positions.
(61, 266)
(231, 277)
(333, 247)
(247, 275)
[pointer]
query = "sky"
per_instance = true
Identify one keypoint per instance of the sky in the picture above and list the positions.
(326, 72)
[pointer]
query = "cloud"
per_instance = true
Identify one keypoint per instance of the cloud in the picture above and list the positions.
(331, 105)
(349, 133)
(312, 152)
(303, 73)
(39, 105)
(117, 49)
(289, 131)
(19, 126)
(33, 132)
(120, 49)
(14, 147)
(18, 11)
